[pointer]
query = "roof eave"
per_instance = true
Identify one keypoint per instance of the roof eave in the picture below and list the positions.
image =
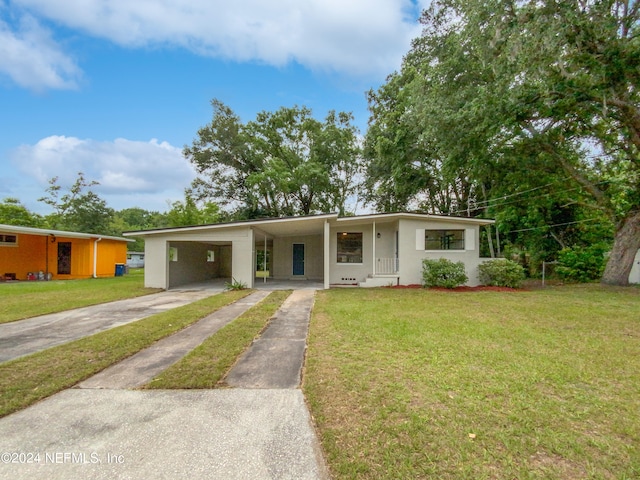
(44, 232)
(217, 226)
(422, 216)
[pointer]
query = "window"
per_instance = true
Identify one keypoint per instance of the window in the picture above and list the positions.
(444, 239)
(211, 256)
(349, 247)
(262, 260)
(173, 254)
(6, 239)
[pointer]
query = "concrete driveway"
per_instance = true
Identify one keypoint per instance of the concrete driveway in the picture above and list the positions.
(25, 337)
(161, 434)
(265, 432)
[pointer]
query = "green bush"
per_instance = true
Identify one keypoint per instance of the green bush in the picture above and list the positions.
(581, 264)
(501, 273)
(442, 273)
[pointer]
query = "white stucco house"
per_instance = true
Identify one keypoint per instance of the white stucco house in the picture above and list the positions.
(365, 250)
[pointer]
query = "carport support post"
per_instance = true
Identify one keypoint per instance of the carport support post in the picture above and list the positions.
(264, 260)
(327, 253)
(245, 265)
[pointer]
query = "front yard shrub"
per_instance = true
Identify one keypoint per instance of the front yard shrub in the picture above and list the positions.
(235, 285)
(581, 264)
(443, 273)
(501, 273)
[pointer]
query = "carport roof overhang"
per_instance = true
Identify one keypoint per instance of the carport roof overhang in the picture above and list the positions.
(289, 226)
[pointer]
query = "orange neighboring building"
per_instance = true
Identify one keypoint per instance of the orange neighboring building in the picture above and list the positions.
(58, 255)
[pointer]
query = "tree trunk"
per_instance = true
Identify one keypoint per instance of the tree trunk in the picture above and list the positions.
(625, 245)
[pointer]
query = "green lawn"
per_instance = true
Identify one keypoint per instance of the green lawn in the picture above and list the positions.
(478, 385)
(413, 383)
(29, 299)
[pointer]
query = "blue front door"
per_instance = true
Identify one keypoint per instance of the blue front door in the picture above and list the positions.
(298, 258)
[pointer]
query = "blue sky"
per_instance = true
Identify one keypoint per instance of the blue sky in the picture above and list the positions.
(116, 88)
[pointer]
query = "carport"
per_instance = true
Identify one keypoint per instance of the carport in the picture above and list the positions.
(255, 252)
(195, 262)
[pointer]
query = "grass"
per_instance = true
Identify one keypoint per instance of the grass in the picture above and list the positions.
(26, 380)
(205, 366)
(29, 299)
(482, 385)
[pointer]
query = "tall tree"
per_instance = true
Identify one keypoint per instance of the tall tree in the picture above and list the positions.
(78, 209)
(404, 169)
(520, 89)
(282, 163)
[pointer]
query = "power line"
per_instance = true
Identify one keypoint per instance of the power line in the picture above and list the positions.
(554, 225)
(504, 197)
(481, 207)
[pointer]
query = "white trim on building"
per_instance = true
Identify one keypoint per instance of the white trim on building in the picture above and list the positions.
(389, 249)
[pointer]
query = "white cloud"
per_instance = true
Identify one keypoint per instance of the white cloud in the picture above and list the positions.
(358, 37)
(32, 59)
(130, 173)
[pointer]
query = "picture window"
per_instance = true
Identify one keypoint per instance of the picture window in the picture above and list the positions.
(349, 247)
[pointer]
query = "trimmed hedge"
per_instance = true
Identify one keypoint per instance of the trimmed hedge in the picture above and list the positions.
(443, 273)
(501, 273)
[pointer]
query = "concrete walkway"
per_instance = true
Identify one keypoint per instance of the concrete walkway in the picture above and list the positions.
(275, 359)
(24, 337)
(142, 367)
(237, 433)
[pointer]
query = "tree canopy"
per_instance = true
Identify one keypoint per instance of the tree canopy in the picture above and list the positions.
(506, 97)
(187, 212)
(78, 209)
(282, 163)
(12, 212)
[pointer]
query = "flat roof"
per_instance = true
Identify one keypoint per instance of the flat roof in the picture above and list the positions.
(58, 233)
(315, 222)
(419, 216)
(237, 223)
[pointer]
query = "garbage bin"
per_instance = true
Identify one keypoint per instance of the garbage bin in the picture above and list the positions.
(119, 269)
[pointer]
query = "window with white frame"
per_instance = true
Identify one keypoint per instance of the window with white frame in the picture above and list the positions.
(8, 239)
(349, 247)
(444, 239)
